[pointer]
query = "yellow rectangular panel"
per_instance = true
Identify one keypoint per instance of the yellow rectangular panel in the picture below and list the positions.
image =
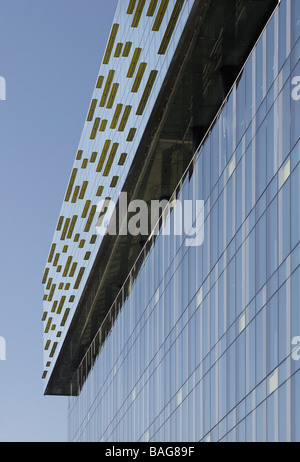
(112, 96)
(52, 250)
(46, 272)
(72, 226)
(92, 159)
(90, 218)
(86, 208)
(103, 155)
(131, 134)
(110, 159)
(49, 283)
(44, 316)
(131, 6)
(138, 78)
(93, 239)
(59, 224)
(71, 183)
(138, 13)
(61, 304)
(147, 92)
(75, 194)
(56, 258)
(110, 44)
(134, 61)
(79, 155)
(160, 15)
(73, 269)
(54, 306)
(107, 88)
(99, 81)
(103, 125)
(48, 325)
(83, 189)
(79, 277)
(53, 349)
(67, 266)
(127, 49)
(114, 181)
(65, 317)
(118, 49)
(122, 158)
(124, 119)
(170, 27)
(51, 292)
(152, 7)
(65, 229)
(99, 191)
(92, 110)
(84, 163)
(95, 128)
(116, 116)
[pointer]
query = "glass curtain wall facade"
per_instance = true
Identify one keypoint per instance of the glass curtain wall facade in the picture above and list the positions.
(201, 349)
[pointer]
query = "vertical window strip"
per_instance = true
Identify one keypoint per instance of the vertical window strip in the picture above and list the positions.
(99, 81)
(122, 158)
(65, 229)
(103, 155)
(51, 254)
(92, 110)
(107, 88)
(112, 96)
(79, 277)
(60, 222)
(116, 116)
(79, 154)
(103, 125)
(170, 27)
(138, 13)
(46, 272)
(160, 15)
(131, 134)
(86, 208)
(67, 266)
(110, 44)
(139, 76)
(95, 128)
(73, 269)
(110, 159)
(72, 226)
(118, 50)
(90, 218)
(124, 119)
(152, 7)
(71, 184)
(92, 159)
(147, 92)
(83, 189)
(131, 6)
(75, 194)
(127, 49)
(134, 61)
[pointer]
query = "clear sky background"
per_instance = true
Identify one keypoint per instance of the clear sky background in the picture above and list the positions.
(50, 54)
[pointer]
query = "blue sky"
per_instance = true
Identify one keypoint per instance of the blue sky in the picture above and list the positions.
(50, 54)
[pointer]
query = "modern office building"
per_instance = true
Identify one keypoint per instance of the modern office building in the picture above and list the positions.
(156, 335)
